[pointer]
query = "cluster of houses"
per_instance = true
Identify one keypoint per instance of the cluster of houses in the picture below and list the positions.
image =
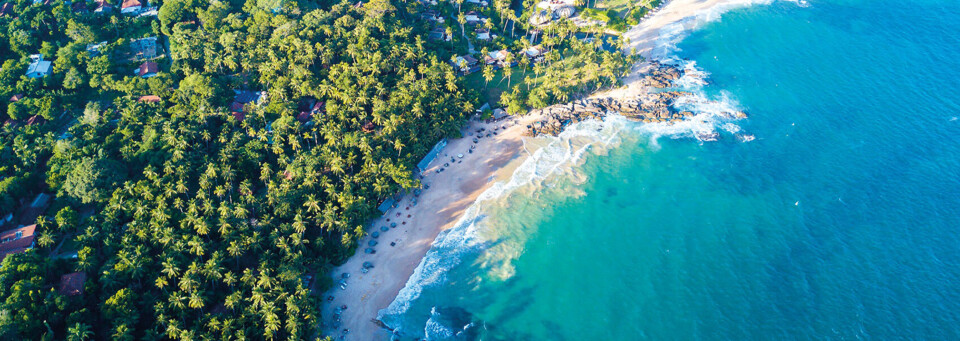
(307, 108)
(137, 8)
(32, 120)
(472, 18)
(552, 11)
(143, 49)
(140, 49)
(23, 238)
(243, 99)
(468, 64)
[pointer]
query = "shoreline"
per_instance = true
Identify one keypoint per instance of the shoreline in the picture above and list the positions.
(450, 193)
(454, 190)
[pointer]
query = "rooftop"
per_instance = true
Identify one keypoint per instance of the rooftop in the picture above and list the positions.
(247, 96)
(72, 284)
(130, 3)
(16, 240)
(147, 69)
(149, 99)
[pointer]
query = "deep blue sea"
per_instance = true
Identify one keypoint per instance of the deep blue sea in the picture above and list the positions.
(840, 221)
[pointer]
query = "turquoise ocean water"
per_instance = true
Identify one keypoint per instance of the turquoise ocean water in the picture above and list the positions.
(840, 221)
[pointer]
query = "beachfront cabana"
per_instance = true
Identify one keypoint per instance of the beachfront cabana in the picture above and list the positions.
(422, 166)
(385, 206)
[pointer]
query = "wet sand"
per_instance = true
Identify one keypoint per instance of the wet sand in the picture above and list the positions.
(452, 191)
(439, 207)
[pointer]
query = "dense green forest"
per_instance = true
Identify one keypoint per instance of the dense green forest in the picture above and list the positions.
(196, 215)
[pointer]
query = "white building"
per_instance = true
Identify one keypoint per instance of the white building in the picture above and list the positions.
(38, 67)
(148, 12)
(483, 34)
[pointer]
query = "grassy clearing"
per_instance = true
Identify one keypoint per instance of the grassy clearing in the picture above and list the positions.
(626, 7)
(490, 92)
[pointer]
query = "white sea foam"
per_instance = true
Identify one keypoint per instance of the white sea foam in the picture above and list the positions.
(434, 329)
(451, 246)
(560, 154)
(440, 327)
(670, 35)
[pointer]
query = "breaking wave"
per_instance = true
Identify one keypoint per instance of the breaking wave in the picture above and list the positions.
(671, 35)
(467, 238)
(470, 237)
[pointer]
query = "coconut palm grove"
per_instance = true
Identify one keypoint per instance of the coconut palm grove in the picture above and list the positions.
(192, 169)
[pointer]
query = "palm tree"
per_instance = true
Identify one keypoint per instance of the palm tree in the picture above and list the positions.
(45, 239)
(488, 75)
(508, 71)
(462, 20)
(312, 204)
(449, 32)
(79, 332)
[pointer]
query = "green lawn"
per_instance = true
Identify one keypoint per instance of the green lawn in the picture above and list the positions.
(616, 5)
(68, 247)
(621, 6)
(490, 92)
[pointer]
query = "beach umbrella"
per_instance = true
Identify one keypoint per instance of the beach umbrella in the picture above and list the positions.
(367, 265)
(393, 224)
(375, 234)
(372, 243)
(368, 250)
(384, 228)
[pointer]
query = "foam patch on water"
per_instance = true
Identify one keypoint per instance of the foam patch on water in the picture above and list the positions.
(448, 324)
(670, 35)
(466, 237)
(710, 112)
(470, 236)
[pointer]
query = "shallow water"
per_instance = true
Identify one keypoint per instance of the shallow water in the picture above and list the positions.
(838, 222)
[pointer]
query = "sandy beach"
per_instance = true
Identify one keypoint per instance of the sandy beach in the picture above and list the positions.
(662, 26)
(452, 191)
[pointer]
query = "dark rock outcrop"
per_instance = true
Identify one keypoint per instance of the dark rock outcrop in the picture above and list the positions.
(653, 106)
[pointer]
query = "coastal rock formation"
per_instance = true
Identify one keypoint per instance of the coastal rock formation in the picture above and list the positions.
(652, 106)
(661, 75)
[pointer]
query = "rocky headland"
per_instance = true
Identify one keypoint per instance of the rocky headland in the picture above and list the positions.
(655, 105)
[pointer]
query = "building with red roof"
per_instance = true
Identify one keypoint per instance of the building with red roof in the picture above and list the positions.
(103, 6)
(130, 6)
(243, 97)
(149, 99)
(148, 69)
(309, 107)
(72, 284)
(17, 240)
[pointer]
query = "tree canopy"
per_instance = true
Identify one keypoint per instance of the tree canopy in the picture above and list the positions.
(200, 199)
